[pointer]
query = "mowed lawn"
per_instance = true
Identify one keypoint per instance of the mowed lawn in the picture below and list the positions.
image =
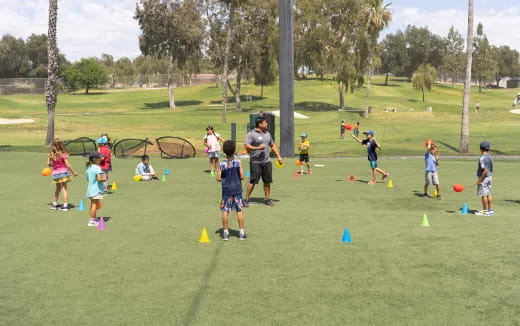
(147, 267)
(145, 114)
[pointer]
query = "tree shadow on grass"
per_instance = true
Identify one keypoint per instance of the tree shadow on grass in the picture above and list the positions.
(89, 94)
(453, 148)
(383, 85)
(243, 98)
(513, 201)
(497, 152)
(315, 106)
(166, 105)
(194, 307)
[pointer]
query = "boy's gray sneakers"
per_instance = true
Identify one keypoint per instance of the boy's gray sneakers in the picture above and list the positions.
(225, 236)
(242, 235)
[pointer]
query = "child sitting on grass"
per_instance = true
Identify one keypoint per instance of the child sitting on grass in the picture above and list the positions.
(231, 174)
(144, 170)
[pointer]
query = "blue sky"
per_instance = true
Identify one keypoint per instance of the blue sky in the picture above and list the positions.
(93, 27)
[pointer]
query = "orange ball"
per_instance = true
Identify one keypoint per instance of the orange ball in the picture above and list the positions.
(348, 126)
(458, 188)
(46, 172)
(298, 162)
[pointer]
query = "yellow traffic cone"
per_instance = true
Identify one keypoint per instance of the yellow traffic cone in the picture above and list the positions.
(204, 236)
(425, 221)
(390, 184)
(114, 186)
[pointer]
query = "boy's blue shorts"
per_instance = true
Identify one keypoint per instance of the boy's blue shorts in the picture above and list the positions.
(373, 164)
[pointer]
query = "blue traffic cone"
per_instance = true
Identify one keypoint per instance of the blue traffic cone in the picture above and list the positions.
(167, 171)
(346, 236)
(81, 206)
(464, 209)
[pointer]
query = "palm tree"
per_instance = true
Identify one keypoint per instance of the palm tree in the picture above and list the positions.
(378, 16)
(51, 89)
(464, 131)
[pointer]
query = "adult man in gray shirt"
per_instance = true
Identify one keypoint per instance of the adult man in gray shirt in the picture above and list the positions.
(257, 143)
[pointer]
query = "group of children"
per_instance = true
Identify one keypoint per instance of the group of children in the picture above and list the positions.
(230, 173)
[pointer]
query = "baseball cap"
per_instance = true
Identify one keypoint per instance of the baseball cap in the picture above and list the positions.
(304, 135)
(102, 140)
(369, 132)
(94, 155)
(485, 145)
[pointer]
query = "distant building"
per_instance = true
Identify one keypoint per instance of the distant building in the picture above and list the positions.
(509, 82)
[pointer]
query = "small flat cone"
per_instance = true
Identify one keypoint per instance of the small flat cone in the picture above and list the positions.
(101, 225)
(390, 184)
(435, 194)
(425, 222)
(346, 236)
(114, 186)
(204, 236)
(81, 206)
(352, 179)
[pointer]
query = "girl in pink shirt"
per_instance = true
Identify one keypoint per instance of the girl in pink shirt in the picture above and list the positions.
(61, 173)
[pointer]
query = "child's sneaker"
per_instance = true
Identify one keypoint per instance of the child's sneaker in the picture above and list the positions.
(92, 222)
(438, 197)
(490, 212)
(310, 172)
(481, 213)
(268, 202)
(242, 235)
(385, 176)
(63, 208)
(55, 207)
(372, 182)
(225, 235)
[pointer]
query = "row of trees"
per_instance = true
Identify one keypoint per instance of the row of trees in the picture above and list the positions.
(404, 52)
(26, 58)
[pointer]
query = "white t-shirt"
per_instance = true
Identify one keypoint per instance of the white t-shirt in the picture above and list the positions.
(212, 141)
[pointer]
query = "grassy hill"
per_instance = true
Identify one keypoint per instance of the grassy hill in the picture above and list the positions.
(145, 113)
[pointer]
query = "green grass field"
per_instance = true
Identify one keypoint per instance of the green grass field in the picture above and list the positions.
(142, 113)
(147, 267)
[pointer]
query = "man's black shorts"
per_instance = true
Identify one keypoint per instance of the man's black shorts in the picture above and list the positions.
(263, 170)
(304, 158)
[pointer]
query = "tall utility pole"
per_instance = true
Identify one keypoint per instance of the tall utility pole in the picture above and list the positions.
(286, 8)
(464, 125)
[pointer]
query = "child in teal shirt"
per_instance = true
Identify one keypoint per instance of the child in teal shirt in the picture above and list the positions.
(95, 188)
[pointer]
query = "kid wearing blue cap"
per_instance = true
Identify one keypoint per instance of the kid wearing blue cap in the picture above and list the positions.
(303, 147)
(371, 144)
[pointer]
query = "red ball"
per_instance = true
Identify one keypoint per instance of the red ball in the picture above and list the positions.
(348, 126)
(458, 187)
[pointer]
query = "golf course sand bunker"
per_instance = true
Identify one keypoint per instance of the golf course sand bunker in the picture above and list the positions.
(15, 121)
(515, 111)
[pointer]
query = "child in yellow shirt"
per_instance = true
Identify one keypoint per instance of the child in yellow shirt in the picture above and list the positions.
(303, 147)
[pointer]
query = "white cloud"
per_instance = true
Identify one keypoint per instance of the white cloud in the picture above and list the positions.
(501, 26)
(85, 27)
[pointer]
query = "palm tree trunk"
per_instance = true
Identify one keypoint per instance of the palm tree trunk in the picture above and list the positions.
(227, 54)
(369, 75)
(386, 79)
(171, 95)
(262, 90)
(51, 89)
(464, 131)
(422, 89)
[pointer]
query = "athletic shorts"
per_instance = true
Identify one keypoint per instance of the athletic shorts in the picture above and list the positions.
(214, 154)
(431, 178)
(231, 203)
(261, 170)
(98, 196)
(373, 164)
(484, 189)
(304, 158)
